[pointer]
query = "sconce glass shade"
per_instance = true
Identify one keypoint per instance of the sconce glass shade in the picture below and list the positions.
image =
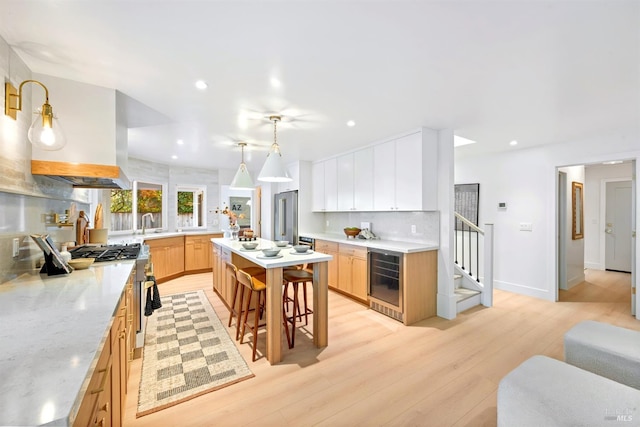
(273, 169)
(242, 179)
(45, 131)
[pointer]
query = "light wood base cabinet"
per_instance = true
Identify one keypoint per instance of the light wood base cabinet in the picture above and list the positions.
(352, 271)
(104, 401)
(347, 270)
(330, 248)
(167, 255)
(197, 253)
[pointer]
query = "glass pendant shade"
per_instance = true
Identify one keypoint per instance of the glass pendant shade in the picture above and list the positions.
(45, 131)
(242, 179)
(273, 169)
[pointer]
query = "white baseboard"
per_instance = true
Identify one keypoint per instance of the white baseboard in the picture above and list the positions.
(575, 281)
(593, 265)
(524, 290)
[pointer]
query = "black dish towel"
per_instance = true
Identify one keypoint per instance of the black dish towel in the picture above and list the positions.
(153, 302)
(148, 307)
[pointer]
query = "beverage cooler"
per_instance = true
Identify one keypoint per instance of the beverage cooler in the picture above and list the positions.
(385, 282)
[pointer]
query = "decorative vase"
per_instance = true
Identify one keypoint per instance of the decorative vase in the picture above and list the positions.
(235, 229)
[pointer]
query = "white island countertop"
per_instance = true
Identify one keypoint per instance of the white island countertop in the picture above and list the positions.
(286, 258)
(53, 329)
(388, 245)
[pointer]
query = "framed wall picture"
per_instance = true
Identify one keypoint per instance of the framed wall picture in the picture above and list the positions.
(577, 210)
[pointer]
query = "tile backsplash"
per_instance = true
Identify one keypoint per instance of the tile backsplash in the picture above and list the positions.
(389, 225)
(21, 216)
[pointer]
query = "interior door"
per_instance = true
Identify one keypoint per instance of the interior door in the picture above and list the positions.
(618, 239)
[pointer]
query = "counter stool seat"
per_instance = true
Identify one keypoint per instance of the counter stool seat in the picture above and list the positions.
(295, 278)
(253, 284)
(236, 303)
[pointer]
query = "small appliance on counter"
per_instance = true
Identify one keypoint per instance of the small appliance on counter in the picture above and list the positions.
(365, 233)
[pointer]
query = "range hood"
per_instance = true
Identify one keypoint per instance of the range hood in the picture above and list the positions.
(82, 175)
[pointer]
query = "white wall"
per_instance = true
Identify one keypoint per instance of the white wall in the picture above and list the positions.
(594, 225)
(525, 262)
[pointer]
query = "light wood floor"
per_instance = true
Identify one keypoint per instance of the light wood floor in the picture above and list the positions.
(376, 371)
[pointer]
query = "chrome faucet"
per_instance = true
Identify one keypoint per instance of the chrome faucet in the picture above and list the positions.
(144, 224)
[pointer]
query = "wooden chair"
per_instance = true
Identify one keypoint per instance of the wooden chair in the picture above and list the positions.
(253, 284)
(236, 303)
(296, 277)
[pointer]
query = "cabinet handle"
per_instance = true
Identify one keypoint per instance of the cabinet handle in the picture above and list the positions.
(105, 408)
(107, 371)
(100, 424)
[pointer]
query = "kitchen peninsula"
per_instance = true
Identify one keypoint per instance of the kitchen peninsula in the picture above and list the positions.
(232, 251)
(59, 334)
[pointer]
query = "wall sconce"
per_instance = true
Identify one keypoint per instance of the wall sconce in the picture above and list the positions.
(42, 133)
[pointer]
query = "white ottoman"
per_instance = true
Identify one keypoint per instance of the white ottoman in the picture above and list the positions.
(546, 392)
(606, 350)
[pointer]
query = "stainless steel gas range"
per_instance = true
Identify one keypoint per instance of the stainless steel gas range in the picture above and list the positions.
(115, 253)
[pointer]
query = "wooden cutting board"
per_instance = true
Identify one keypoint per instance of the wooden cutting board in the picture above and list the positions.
(97, 222)
(81, 229)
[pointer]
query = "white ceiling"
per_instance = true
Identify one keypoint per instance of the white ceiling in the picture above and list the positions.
(539, 72)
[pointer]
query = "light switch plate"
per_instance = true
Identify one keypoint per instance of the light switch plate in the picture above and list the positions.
(366, 225)
(526, 226)
(16, 247)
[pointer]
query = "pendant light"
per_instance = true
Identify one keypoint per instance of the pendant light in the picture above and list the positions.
(273, 169)
(243, 178)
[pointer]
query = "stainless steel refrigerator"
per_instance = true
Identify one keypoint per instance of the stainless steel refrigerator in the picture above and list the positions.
(285, 218)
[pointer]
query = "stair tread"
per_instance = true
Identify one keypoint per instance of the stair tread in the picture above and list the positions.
(464, 293)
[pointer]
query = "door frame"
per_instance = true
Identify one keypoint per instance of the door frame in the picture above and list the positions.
(561, 231)
(602, 259)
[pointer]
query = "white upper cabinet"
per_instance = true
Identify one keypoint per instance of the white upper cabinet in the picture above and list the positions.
(384, 178)
(406, 175)
(325, 185)
(355, 179)
(317, 186)
(331, 185)
(345, 178)
(396, 175)
(363, 179)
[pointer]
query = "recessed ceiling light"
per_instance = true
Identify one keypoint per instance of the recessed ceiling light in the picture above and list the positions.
(275, 82)
(201, 84)
(459, 141)
(351, 123)
(174, 157)
(180, 142)
(612, 162)
(513, 143)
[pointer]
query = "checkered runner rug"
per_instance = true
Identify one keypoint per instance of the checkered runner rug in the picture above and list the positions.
(187, 353)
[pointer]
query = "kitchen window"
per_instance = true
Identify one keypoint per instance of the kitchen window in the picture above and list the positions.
(191, 207)
(143, 208)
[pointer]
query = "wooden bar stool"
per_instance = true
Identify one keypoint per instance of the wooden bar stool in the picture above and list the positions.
(255, 284)
(236, 307)
(295, 278)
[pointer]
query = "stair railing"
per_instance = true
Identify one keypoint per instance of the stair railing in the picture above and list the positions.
(468, 254)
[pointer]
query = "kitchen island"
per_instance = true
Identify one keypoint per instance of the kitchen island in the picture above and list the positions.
(54, 329)
(232, 251)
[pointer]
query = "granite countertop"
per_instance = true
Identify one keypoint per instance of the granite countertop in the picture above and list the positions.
(286, 257)
(389, 245)
(53, 330)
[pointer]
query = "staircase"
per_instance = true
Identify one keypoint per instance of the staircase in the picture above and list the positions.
(465, 297)
(473, 277)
